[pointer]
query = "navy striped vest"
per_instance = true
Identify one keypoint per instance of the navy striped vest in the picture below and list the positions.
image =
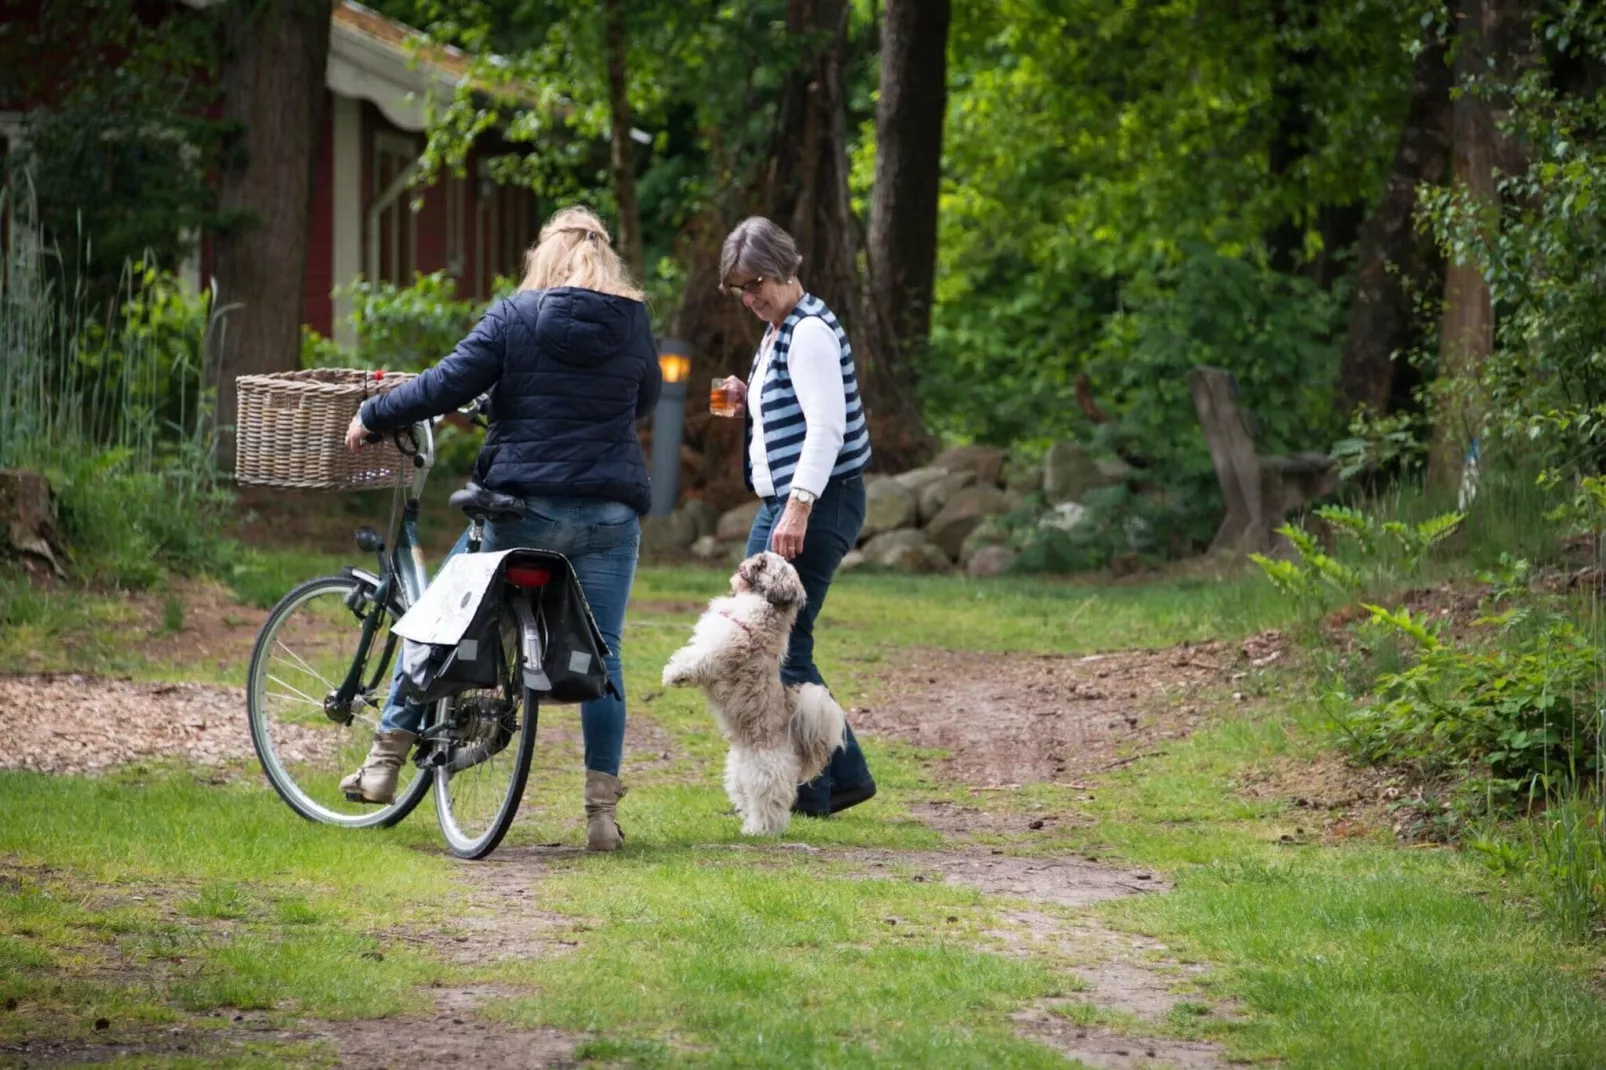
(783, 416)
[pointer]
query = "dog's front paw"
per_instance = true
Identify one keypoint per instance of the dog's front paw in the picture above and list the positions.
(677, 673)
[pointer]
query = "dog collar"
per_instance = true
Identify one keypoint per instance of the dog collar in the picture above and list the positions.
(742, 624)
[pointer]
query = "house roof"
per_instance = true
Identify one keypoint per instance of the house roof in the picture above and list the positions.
(391, 65)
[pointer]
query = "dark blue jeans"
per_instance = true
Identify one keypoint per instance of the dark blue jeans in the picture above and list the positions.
(833, 530)
(600, 538)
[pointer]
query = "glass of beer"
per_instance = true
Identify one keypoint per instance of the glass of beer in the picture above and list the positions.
(721, 402)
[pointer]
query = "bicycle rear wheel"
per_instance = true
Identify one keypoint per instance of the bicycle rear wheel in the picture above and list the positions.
(489, 739)
(308, 645)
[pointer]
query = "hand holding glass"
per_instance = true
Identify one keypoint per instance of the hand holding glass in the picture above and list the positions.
(726, 396)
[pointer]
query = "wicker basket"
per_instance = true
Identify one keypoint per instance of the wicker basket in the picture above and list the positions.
(291, 430)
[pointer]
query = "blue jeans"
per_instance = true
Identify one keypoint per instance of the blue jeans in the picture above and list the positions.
(833, 529)
(601, 539)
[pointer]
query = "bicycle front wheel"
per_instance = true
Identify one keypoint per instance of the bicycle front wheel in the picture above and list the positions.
(490, 741)
(309, 644)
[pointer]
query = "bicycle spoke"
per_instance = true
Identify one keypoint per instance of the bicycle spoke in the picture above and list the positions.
(308, 669)
(302, 695)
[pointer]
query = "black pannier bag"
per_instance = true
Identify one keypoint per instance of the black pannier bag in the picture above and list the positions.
(464, 630)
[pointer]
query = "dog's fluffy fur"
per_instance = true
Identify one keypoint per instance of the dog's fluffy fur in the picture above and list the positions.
(780, 736)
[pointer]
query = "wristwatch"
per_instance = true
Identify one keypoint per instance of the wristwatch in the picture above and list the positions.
(804, 496)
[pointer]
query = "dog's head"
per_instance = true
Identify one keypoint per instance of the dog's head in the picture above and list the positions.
(771, 577)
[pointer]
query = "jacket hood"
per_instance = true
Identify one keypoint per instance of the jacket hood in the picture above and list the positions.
(579, 327)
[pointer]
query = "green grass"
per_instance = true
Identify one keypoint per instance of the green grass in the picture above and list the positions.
(695, 948)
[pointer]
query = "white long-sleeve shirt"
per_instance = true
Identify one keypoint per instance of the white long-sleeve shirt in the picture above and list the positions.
(815, 364)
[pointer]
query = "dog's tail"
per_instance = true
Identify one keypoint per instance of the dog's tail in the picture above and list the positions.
(818, 724)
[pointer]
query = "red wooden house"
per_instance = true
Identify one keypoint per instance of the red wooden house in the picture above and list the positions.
(361, 221)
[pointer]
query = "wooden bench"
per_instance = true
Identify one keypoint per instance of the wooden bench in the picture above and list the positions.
(1260, 490)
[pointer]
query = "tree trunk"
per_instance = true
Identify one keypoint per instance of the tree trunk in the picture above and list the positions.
(808, 190)
(902, 248)
(276, 52)
(1494, 41)
(623, 154)
(1393, 256)
(1290, 141)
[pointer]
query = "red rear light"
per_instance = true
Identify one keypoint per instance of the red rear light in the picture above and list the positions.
(523, 576)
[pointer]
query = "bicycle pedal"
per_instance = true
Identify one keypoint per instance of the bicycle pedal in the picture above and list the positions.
(357, 797)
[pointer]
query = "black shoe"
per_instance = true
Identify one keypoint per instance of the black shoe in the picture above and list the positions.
(842, 798)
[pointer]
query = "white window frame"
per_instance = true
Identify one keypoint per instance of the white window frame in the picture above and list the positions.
(392, 200)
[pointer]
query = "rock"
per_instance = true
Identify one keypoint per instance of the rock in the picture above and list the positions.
(1024, 478)
(1013, 500)
(1113, 470)
(917, 479)
(1069, 472)
(919, 559)
(734, 525)
(991, 561)
(988, 533)
(850, 561)
(707, 548)
(880, 548)
(963, 513)
(667, 534)
(703, 514)
(935, 495)
(888, 506)
(1063, 517)
(986, 463)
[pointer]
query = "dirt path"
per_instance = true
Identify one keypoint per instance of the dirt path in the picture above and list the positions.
(1008, 720)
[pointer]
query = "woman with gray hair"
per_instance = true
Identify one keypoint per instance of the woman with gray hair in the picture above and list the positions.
(806, 448)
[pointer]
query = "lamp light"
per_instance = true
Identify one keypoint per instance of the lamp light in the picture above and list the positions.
(675, 366)
(668, 419)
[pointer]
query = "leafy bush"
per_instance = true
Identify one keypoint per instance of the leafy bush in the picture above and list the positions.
(1526, 707)
(1115, 524)
(1543, 393)
(1278, 336)
(1379, 553)
(407, 328)
(112, 408)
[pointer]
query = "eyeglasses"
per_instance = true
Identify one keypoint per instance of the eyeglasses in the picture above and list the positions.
(751, 287)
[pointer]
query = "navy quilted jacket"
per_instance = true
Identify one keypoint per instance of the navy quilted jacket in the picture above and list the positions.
(569, 371)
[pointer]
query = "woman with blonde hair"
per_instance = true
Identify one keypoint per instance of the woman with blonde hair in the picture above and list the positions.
(570, 364)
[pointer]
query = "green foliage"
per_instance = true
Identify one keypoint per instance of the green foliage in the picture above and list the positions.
(1544, 390)
(120, 166)
(1092, 148)
(1526, 706)
(1382, 553)
(399, 328)
(113, 409)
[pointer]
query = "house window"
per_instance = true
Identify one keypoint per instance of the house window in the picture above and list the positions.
(454, 189)
(505, 224)
(393, 238)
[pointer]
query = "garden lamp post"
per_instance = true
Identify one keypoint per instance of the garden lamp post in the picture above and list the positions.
(674, 360)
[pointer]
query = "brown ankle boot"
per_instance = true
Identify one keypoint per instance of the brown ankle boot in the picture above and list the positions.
(603, 793)
(375, 782)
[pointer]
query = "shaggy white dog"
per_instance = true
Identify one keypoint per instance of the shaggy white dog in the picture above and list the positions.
(780, 736)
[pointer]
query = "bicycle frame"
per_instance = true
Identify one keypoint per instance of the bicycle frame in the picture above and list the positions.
(401, 581)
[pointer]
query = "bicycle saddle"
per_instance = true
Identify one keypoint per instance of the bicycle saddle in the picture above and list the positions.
(489, 505)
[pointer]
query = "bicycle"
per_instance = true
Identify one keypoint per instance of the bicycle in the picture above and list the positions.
(313, 701)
